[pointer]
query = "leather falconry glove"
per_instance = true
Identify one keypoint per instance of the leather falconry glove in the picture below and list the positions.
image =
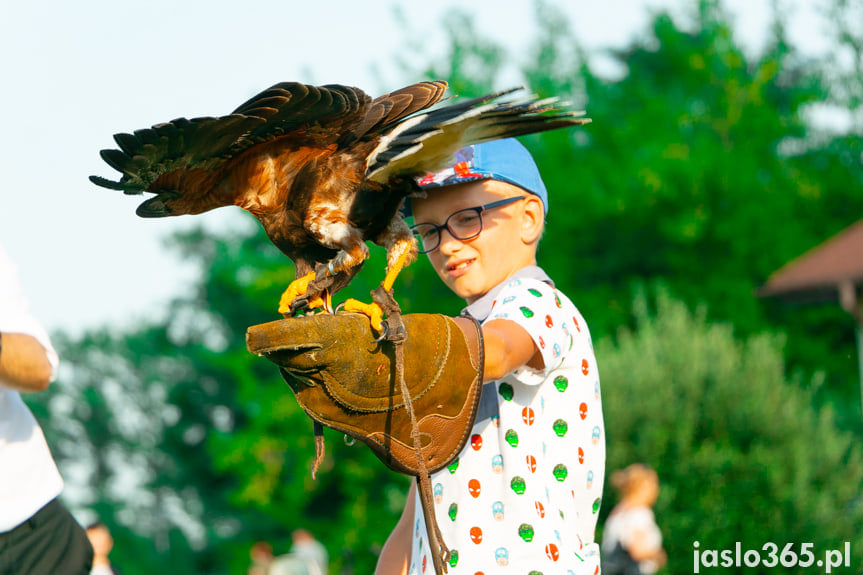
(423, 391)
(345, 380)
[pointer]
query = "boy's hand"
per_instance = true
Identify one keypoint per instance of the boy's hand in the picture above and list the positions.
(346, 380)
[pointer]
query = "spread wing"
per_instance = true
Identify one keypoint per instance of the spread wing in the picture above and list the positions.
(182, 161)
(427, 142)
(322, 168)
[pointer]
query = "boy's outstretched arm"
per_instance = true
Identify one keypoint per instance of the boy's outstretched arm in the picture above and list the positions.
(396, 555)
(508, 346)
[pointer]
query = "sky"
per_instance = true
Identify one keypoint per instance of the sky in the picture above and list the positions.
(75, 73)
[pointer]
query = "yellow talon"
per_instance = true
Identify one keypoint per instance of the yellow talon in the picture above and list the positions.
(324, 300)
(327, 302)
(316, 303)
(297, 288)
(373, 310)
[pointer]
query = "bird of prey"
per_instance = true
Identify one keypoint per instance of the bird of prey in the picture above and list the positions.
(324, 169)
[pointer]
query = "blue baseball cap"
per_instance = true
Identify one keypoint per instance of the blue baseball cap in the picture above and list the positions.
(505, 160)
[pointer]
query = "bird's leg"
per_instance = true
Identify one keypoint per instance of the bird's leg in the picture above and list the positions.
(294, 298)
(401, 250)
(324, 276)
(374, 310)
(332, 232)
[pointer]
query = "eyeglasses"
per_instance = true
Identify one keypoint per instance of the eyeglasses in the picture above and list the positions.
(463, 225)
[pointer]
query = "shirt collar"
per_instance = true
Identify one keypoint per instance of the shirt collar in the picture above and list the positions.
(481, 308)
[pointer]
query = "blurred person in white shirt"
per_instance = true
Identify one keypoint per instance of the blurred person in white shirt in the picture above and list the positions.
(631, 539)
(38, 535)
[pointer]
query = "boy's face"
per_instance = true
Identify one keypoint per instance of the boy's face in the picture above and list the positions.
(507, 243)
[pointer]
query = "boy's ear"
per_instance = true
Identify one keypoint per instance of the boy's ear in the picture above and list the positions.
(532, 219)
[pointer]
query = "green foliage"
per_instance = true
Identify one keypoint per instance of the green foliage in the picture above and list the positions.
(741, 453)
(699, 169)
(846, 19)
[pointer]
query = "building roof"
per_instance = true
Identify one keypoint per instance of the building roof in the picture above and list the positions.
(817, 274)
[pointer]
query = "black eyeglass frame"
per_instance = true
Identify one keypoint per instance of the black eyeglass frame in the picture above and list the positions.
(445, 226)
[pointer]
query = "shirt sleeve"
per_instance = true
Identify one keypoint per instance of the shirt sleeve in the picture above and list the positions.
(15, 314)
(535, 306)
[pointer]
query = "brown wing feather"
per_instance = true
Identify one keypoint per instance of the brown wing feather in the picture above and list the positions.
(422, 95)
(290, 106)
(389, 109)
(184, 161)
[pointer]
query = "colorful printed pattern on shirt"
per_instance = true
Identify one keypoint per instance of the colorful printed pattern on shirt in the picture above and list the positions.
(524, 494)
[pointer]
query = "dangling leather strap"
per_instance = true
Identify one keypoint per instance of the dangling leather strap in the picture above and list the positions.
(437, 547)
(439, 551)
(397, 335)
(319, 447)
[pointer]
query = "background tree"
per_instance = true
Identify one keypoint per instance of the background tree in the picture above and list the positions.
(702, 169)
(741, 454)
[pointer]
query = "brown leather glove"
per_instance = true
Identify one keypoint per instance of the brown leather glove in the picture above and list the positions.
(345, 380)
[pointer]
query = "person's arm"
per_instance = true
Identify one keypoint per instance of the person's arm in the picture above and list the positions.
(641, 549)
(24, 363)
(396, 555)
(508, 347)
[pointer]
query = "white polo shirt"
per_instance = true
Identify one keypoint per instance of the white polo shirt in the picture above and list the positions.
(29, 478)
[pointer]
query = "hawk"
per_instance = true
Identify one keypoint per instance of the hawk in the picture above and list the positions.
(324, 169)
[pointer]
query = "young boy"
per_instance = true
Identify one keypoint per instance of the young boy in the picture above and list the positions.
(524, 493)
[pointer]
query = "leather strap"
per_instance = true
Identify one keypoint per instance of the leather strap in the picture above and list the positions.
(437, 547)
